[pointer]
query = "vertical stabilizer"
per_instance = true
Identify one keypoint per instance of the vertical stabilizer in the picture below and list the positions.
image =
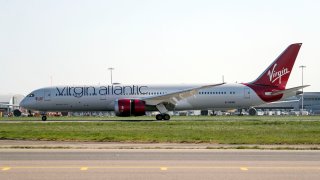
(277, 74)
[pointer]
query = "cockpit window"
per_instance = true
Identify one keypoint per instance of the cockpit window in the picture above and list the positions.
(30, 95)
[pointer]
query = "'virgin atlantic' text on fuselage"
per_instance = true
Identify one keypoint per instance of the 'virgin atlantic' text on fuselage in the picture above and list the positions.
(80, 91)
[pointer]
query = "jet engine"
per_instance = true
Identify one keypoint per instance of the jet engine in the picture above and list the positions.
(17, 113)
(130, 107)
(252, 111)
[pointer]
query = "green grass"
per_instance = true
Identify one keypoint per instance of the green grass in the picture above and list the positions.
(197, 129)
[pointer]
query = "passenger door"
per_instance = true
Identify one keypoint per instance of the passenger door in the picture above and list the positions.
(246, 93)
(47, 95)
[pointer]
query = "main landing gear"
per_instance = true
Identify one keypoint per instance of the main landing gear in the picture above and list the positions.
(163, 117)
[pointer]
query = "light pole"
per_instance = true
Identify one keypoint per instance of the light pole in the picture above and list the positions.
(111, 69)
(302, 67)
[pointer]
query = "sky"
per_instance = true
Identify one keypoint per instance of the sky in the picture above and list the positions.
(74, 42)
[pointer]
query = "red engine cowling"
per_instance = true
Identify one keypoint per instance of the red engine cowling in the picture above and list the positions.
(130, 107)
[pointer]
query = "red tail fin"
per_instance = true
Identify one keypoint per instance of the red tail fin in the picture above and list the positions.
(277, 74)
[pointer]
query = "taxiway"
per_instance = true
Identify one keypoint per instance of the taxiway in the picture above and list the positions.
(158, 164)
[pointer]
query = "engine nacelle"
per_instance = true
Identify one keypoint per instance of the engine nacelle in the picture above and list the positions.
(17, 113)
(252, 111)
(130, 107)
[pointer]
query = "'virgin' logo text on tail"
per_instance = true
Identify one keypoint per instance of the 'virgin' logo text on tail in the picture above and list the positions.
(274, 76)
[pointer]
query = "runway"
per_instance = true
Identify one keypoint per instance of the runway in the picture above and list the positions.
(158, 164)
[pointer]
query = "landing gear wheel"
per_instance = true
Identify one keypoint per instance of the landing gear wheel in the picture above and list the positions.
(166, 117)
(44, 118)
(159, 117)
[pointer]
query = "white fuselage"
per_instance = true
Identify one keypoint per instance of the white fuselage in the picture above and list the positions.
(102, 98)
(135, 100)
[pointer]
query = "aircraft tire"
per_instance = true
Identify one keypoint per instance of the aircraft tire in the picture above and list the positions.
(159, 117)
(166, 117)
(44, 118)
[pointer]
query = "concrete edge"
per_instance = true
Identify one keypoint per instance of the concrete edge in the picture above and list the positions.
(20, 144)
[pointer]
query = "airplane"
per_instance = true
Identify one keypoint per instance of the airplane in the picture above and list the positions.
(135, 100)
(12, 107)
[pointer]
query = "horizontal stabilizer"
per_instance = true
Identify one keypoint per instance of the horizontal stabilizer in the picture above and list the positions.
(288, 90)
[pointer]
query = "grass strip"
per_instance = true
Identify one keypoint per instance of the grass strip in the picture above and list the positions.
(218, 130)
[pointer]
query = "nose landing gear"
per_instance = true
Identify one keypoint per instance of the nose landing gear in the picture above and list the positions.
(44, 118)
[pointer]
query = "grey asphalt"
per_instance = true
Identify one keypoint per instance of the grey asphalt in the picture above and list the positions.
(158, 164)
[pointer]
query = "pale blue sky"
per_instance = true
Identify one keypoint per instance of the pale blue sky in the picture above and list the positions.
(156, 42)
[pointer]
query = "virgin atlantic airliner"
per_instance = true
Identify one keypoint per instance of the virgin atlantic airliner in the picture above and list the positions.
(135, 100)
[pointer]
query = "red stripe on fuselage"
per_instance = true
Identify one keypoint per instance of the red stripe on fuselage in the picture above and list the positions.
(261, 91)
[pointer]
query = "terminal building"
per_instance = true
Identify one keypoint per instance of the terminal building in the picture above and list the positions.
(311, 103)
(289, 106)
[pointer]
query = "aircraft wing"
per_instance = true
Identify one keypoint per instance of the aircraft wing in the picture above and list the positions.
(8, 105)
(174, 97)
(288, 90)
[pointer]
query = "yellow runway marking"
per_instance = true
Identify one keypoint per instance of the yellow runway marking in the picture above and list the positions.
(84, 168)
(163, 168)
(5, 168)
(244, 169)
